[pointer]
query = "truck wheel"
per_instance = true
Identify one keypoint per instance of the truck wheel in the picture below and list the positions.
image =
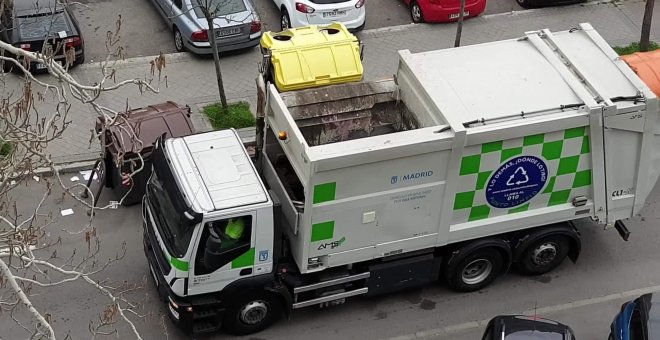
(474, 271)
(543, 255)
(252, 313)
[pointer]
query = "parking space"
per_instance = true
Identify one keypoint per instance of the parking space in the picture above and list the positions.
(144, 32)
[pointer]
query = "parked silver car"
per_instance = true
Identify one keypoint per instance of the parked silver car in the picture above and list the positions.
(237, 25)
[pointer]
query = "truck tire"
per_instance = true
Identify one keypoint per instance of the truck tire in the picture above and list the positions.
(475, 270)
(252, 313)
(544, 255)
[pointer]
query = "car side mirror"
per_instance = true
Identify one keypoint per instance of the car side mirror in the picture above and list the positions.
(213, 253)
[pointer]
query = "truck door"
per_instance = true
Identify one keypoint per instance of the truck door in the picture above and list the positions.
(236, 253)
(624, 144)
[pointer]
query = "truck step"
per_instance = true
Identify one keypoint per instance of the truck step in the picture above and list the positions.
(332, 297)
(201, 327)
(332, 282)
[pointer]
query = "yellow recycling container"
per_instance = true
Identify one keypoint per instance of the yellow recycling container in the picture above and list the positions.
(312, 56)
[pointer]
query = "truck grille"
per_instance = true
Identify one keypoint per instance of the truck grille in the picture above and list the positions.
(163, 263)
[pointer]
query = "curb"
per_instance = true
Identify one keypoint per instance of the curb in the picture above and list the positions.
(66, 167)
(176, 57)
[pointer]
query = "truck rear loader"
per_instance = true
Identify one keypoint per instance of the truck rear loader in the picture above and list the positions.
(468, 161)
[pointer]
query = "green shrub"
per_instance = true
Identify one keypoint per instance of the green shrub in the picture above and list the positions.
(237, 116)
(633, 47)
(5, 149)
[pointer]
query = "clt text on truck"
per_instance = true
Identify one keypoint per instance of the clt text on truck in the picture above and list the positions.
(469, 161)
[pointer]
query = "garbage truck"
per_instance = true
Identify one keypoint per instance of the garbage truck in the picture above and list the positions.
(466, 163)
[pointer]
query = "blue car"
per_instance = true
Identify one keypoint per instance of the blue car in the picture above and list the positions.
(638, 319)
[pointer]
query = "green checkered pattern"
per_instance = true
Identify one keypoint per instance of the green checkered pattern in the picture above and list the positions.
(566, 154)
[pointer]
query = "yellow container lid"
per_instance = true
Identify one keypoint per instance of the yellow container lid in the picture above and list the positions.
(312, 56)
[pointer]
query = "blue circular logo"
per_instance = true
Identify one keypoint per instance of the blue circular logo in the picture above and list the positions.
(516, 182)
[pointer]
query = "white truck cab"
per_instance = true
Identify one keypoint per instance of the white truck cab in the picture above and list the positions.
(200, 184)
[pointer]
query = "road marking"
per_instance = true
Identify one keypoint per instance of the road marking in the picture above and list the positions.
(630, 294)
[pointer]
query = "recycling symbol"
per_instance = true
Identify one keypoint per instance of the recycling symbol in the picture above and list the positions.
(519, 177)
(516, 181)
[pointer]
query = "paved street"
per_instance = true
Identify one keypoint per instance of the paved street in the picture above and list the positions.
(145, 33)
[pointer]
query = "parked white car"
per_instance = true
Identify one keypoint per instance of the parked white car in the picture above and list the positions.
(295, 13)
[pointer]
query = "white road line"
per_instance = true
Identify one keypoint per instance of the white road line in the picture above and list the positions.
(630, 294)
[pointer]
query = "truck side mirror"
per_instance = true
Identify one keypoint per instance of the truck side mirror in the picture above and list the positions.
(213, 253)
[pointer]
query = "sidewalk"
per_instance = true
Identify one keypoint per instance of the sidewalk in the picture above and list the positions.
(191, 79)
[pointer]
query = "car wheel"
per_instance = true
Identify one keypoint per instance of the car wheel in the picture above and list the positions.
(285, 20)
(524, 3)
(253, 312)
(178, 41)
(544, 255)
(474, 271)
(416, 13)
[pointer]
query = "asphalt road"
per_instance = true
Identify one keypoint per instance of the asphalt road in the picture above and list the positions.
(585, 295)
(144, 32)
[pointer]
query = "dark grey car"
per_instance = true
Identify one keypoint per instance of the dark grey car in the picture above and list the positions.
(237, 25)
(45, 26)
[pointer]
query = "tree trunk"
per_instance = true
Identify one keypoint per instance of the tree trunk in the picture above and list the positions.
(459, 28)
(644, 42)
(216, 60)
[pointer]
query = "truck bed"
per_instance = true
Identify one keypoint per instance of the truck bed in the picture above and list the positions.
(350, 111)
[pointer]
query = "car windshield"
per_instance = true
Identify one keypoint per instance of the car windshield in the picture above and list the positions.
(220, 8)
(534, 335)
(170, 222)
(42, 25)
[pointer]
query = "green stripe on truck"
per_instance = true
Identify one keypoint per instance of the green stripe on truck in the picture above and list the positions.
(245, 260)
(323, 231)
(178, 264)
(324, 192)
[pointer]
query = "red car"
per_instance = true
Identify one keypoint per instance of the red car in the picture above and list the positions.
(443, 10)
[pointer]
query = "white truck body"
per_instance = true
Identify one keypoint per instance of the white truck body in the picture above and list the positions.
(542, 105)
(468, 161)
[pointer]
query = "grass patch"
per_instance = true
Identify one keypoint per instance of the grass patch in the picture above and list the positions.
(237, 116)
(634, 47)
(6, 149)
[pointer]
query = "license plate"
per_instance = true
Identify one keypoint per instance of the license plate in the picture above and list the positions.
(333, 14)
(151, 269)
(41, 66)
(174, 313)
(228, 31)
(455, 15)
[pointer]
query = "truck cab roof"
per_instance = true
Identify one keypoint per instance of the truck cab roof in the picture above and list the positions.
(215, 171)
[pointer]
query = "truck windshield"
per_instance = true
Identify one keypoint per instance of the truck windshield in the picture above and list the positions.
(176, 230)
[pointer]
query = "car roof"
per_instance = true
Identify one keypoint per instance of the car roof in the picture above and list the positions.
(35, 6)
(524, 327)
